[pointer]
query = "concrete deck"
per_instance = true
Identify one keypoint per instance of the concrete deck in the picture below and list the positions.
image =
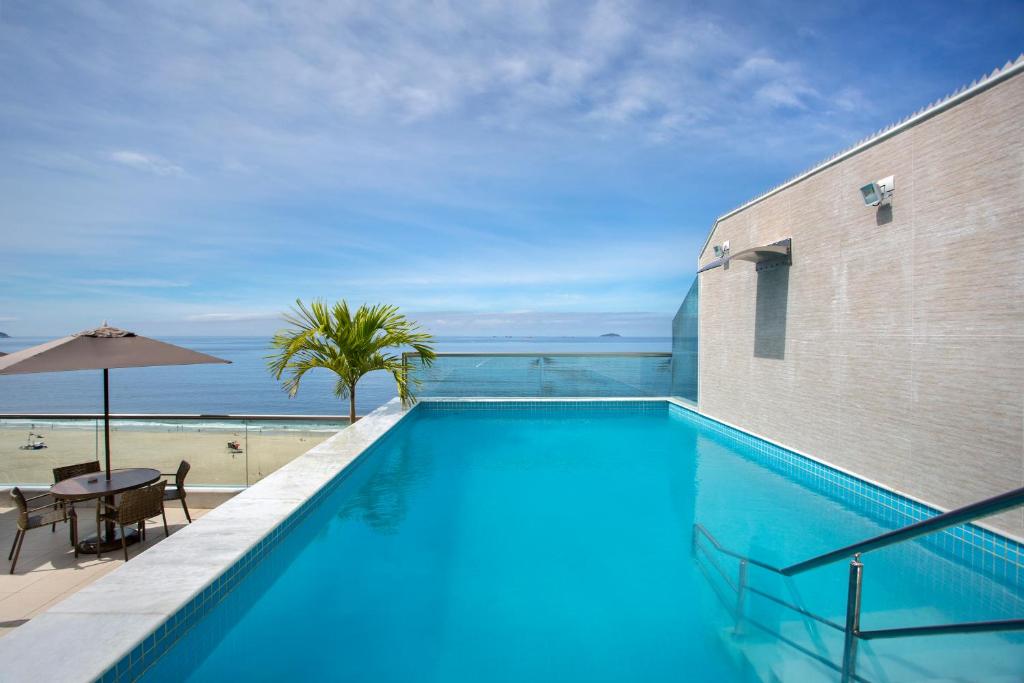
(47, 570)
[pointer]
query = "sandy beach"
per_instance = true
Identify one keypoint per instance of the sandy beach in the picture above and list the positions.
(158, 445)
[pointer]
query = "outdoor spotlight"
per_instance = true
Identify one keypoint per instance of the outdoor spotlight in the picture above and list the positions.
(878, 192)
(721, 249)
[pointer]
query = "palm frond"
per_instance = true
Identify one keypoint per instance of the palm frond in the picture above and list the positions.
(348, 344)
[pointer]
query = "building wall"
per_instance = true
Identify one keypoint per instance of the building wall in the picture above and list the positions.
(894, 345)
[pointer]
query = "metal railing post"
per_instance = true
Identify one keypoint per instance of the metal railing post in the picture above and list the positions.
(741, 589)
(852, 619)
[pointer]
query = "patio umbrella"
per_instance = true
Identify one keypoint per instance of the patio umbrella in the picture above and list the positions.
(100, 349)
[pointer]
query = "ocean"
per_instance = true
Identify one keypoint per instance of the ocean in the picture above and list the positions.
(246, 387)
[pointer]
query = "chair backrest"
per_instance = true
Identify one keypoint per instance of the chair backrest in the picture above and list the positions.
(19, 500)
(139, 504)
(179, 477)
(76, 470)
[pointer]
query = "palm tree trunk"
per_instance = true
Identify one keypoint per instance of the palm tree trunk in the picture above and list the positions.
(352, 404)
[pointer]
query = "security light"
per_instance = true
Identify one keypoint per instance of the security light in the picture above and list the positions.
(878, 192)
(721, 249)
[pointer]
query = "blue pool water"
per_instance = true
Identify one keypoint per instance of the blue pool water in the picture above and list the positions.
(555, 545)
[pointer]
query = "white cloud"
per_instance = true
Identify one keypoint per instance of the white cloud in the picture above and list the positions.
(324, 67)
(451, 156)
(775, 83)
(151, 163)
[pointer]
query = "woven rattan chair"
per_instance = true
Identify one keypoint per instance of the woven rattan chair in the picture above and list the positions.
(136, 507)
(31, 515)
(76, 470)
(178, 492)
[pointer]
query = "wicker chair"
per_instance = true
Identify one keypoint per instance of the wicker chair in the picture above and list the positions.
(76, 470)
(136, 507)
(34, 516)
(178, 492)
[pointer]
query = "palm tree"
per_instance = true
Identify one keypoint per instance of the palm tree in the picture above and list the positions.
(350, 346)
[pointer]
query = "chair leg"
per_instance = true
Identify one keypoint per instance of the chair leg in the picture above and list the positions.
(142, 530)
(73, 524)
(17, 533)
(124, 542)
(99, 531)
(17, 549)
(185, 508)
(163, 512)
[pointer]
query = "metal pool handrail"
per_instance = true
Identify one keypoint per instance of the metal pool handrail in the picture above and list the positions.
(852, 630)
(967, 513)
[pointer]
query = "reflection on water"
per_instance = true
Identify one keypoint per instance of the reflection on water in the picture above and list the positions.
(383, 501)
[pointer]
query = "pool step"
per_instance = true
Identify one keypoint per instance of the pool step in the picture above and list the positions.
(938, 658)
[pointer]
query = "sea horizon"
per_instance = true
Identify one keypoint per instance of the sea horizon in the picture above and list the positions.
(245, 387)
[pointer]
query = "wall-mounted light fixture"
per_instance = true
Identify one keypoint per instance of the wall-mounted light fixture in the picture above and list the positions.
(722, 249)
(878, 192)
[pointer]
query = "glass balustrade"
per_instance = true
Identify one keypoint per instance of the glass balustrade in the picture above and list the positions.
(524, 375)
(227, 451)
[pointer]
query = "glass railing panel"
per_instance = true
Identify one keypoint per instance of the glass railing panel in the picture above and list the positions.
(478, 375)
(544, 375)
(163, 443)
(223, 451)
(606, 376)
(685, 328)
(269, 445)
(31, 447)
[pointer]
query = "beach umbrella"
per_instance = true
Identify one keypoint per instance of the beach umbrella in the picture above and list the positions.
(101, 349)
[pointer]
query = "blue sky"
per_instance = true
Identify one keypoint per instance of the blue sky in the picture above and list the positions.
(519, 168)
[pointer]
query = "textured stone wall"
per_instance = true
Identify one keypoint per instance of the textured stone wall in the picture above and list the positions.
(893, 347)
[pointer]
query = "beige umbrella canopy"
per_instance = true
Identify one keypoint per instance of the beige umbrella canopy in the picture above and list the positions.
(100, 349)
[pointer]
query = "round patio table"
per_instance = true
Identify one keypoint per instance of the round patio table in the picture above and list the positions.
(96, 485)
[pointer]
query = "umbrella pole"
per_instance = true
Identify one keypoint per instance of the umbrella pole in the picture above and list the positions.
(106, 418)
(108, 536)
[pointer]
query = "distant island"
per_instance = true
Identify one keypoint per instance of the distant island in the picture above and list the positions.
(4, 335)
(611, 334)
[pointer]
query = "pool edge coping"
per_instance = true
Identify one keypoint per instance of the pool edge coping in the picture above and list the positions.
(215, 544)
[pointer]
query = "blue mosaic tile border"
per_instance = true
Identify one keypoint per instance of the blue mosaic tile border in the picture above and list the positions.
(555, 406)
(982, 550)
(144, 655)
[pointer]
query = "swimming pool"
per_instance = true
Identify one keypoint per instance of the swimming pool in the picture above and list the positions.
(553, 542)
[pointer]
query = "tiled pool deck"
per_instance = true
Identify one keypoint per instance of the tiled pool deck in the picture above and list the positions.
(48, 571)
(119, 626)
